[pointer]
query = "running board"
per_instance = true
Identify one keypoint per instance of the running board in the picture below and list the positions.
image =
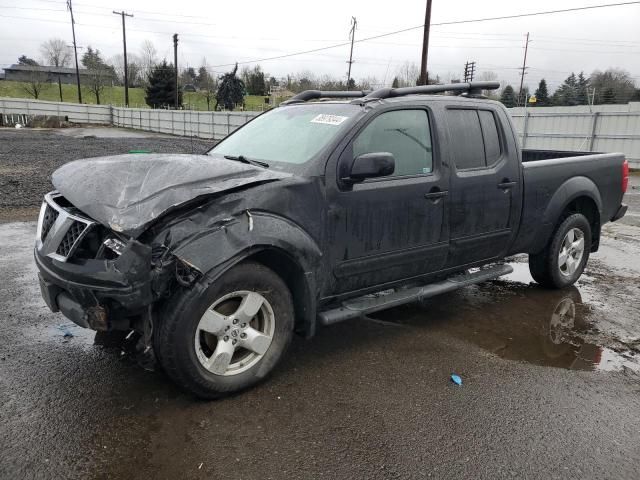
(380, 301)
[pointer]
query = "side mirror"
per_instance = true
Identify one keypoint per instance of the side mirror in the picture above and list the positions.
(371, 165)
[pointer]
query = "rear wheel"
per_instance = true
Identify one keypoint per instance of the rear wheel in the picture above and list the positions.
(563, 260)
(224, 336)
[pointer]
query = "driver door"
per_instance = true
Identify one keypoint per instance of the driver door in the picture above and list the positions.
(394, 227)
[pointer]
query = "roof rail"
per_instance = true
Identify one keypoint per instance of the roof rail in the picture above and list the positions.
(315, 94)
(473, 88)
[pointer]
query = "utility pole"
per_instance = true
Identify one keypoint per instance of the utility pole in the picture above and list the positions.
(469, 71)
(126, 67)
(524, 68)
(424, 78)
(352, 35)
(175, 64)
(75, 49)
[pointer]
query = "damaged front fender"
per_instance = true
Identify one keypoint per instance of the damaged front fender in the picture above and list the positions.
(229, 240)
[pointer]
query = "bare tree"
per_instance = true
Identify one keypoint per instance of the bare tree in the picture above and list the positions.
(488, 76)
(612, 86)
(408, 74)
(148, 59)
(35, 83)
(207, 85)
(56, 52)
(134, 69)
(97, 80)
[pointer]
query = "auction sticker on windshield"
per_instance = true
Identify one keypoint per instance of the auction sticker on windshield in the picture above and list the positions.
(329, 119)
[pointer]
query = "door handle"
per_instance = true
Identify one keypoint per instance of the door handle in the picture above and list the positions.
(506, 185)
(434, 195)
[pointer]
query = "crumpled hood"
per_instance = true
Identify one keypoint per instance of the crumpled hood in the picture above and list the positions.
(126, 192)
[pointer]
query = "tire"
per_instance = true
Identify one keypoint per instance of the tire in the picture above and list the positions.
(224, 336)
(551, 270)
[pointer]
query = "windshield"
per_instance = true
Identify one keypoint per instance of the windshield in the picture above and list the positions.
(293, 134)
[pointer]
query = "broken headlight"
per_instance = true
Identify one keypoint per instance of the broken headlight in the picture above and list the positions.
(115, 245)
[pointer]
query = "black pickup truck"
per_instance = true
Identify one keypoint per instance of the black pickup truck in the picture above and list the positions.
(315, 212)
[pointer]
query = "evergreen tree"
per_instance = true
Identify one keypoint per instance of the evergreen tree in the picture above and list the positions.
(582, 90)
(508, 97)
(567, 93)
(542, 94)
(203, 77)
(188, 76)
(608, 96)
(161, 87)
(24, 60)
(230, 90)
(395, 83)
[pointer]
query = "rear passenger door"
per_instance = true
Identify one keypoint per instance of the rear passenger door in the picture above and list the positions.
(485, 191)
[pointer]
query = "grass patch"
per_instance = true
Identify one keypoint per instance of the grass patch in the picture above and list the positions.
(114, 96)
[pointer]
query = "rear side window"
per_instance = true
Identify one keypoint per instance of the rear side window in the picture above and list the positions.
(475, 139)
(467, 145)
(491, 138)
(405, 134)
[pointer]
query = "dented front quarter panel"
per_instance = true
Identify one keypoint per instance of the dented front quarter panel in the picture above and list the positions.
(287, 216)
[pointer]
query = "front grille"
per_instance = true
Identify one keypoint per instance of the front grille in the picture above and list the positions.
(50, 217)
(70, 238)
(61, 228)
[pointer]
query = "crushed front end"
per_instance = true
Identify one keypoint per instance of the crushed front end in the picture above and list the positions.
(98, 278)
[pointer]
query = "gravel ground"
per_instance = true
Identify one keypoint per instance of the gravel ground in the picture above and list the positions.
(542, 397)
(26, 165)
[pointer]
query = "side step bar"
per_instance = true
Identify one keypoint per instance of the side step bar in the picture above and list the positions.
(372, 303)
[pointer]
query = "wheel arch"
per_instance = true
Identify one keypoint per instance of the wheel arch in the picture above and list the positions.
(272, 241)
(576, 195)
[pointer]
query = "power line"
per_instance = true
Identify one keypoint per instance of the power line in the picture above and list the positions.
(456, 22)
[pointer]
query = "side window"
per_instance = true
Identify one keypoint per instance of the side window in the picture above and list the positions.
(467, 145)
(405, 134)
(492, 148)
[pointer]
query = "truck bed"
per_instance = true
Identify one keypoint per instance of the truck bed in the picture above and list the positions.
(530, 155)
(549, 176)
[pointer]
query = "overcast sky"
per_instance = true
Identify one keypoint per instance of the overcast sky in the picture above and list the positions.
(224, 32)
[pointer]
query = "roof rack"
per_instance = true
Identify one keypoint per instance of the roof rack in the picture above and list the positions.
(315, 94)
(471, 89)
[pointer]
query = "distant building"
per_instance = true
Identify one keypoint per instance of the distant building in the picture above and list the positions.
(24, 73)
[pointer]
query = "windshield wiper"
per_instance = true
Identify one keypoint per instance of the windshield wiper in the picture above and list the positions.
(243, 159)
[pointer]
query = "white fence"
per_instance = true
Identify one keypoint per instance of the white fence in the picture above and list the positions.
(214, 125)
(607, 128)
(603, 128)
(210, 125)
(77, 113)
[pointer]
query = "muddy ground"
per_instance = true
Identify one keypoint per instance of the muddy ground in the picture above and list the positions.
(28, 157)
(551, 379)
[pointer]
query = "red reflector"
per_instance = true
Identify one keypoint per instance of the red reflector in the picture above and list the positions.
(625, 176)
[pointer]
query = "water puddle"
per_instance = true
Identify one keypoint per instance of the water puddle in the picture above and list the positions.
(516, 319)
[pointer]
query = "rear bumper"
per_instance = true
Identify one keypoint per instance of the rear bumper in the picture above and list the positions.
(620, 213)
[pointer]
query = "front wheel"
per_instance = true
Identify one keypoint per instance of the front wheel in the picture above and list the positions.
(563, 260)
(224, 336)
